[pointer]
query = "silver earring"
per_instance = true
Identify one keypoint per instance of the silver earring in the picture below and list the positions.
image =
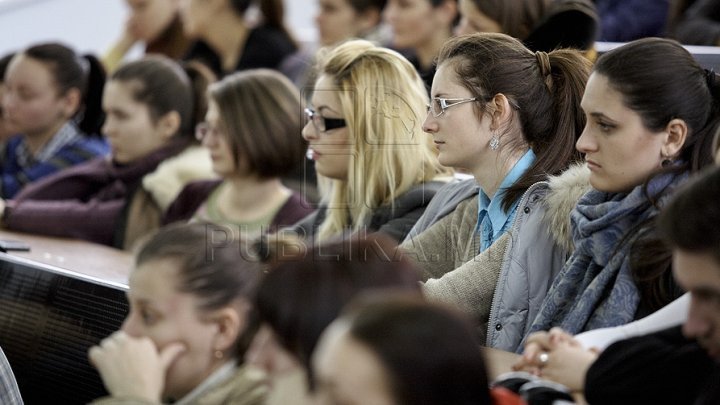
(494, 142)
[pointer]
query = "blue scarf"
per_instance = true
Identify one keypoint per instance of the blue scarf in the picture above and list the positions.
(595, 288)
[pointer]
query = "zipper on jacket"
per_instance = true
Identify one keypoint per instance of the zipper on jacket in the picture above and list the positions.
(515, 226)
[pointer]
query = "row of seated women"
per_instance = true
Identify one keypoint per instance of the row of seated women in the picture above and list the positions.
(344, 322)
(499, 245)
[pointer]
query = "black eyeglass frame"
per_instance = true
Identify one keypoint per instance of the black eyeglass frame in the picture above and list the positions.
(323, 124)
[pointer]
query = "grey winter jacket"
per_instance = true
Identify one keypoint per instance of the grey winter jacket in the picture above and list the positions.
(503, 287)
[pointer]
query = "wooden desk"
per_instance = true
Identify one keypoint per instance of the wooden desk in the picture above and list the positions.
(98, 262)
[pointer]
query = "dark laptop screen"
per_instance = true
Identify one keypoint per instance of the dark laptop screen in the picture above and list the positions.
(48, 319)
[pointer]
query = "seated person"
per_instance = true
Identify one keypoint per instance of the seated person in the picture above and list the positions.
(226, 40)
(52, 100)
(510, 128)
(149, 106)
(189, 325)
(378, 168)
(679, 365)
(252, 130)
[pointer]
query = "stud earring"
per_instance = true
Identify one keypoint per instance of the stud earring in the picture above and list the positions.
(494, 142)
(666, 160)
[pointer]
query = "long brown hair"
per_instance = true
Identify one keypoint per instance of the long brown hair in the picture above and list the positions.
(547, 89)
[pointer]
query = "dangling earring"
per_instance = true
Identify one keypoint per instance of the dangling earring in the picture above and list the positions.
(494, 142)
(219, 354)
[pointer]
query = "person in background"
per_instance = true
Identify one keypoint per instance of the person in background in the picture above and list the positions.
(419, 29)
(150, 119)
(251, 130)
(305, 291)
(542, 25)
(154, 23)
(190, 322)
(226, 41)
(367, 143)
(336, 21)
(52, 100)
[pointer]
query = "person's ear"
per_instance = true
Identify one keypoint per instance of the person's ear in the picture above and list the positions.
(500, 110)
(71, 102)
(676, 134)
(231, 322)
(169, 124)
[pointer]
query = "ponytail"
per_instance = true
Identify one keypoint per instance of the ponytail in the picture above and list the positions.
(704, 141)
(91, 120)
(164, 86)
(201, 77)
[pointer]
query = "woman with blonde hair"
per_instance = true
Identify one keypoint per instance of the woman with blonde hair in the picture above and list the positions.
(365, 135)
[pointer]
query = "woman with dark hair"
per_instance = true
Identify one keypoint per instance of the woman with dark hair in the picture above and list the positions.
(641, 142)
(150, 119)
(189, 325)
(228, 42)
(305, 291)
(252, 131)
(399, 352)
(52, 100)
(510, 117)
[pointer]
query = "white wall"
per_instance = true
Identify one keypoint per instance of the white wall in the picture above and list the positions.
(92, 25)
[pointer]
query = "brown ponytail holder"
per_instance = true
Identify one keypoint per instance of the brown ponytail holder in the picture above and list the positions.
(544, 62)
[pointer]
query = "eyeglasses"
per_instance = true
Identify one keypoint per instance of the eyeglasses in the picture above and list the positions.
(204, 129)
(438, 105)
(323, 124)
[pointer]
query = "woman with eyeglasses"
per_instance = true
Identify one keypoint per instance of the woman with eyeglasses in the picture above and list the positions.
(510, 117)
(114, 201)
(251, 129)
(364, 131)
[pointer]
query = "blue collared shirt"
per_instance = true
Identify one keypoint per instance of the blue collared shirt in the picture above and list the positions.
(493, 221)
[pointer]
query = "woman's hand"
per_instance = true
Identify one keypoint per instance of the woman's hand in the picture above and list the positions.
(133, 367)
(557, 356)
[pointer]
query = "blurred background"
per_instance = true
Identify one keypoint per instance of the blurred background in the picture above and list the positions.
(92, 25)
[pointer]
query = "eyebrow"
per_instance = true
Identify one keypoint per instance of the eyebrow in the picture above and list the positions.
(601, 115)
(324, 107)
